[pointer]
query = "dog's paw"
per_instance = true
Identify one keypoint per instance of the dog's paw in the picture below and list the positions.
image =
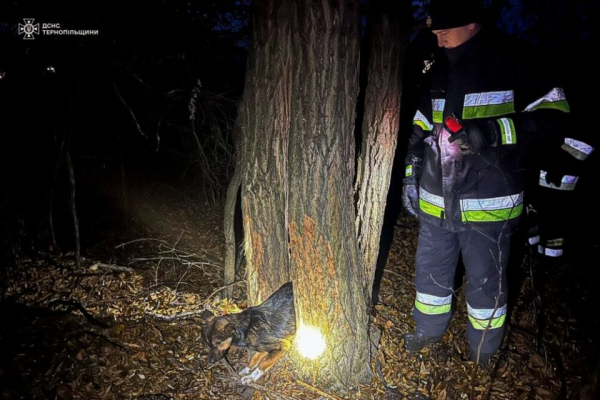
(254, 376)
(245, 371)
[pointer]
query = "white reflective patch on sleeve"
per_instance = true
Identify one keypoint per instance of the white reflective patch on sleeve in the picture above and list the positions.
(431, 198)
(556, 94)
(438, 104)
(489, 98)
(433, 300)
(534, 240)
(486, 313)
(578, 149)
(553, 252)
(420, 117)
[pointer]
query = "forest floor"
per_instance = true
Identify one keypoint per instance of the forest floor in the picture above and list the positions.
(125, 324)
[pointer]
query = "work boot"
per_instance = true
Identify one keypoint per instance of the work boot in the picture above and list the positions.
(484, 358)
(415, 341)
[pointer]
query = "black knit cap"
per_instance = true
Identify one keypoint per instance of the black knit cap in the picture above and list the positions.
(446, 14)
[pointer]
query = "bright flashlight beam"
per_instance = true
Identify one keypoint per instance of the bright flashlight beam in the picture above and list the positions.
(310, 342)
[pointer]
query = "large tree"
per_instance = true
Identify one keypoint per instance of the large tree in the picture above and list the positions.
(296, 167)
(389, 23)
(262, 126)
(326, 264)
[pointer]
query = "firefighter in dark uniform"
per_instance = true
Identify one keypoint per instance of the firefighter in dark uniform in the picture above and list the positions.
(485, 109)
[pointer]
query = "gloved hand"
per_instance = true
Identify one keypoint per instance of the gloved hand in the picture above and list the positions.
(410, 196)
(410, 185)
(473, 136)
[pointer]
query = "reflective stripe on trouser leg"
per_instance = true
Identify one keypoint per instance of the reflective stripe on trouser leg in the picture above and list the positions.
(437, 255)
(485, 254)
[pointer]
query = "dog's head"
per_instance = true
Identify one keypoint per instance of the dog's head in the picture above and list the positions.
(218, 332)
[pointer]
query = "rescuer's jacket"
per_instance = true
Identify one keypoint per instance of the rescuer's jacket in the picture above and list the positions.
(482, 80)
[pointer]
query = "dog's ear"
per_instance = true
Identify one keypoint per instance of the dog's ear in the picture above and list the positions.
(229, 330)
(207, 316)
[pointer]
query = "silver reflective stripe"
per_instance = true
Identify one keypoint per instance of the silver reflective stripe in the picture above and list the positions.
(433, 300)
(438, 110)
(419, 117)
(567, 182)
(486, 313)
(555, 96)
(550, 252)
(578, 149)
(494, 203)
(489, 98)
(438, 104)
(431, 198)
(534, 240)
(553, 252)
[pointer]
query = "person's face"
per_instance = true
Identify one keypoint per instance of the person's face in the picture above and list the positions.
(454, 37)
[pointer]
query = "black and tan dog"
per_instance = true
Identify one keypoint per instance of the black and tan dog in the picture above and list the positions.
(267, 329)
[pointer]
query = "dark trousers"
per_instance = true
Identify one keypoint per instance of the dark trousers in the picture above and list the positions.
(485, 255)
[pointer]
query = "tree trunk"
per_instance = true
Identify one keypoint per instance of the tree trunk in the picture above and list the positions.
(380, 126)
(325, 263)
(264, 123)
(229, 265)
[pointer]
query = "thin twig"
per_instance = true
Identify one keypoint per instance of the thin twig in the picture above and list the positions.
(274, 392)
(113, 267)
(224, 287)
(139, 240)
(99, 336)
(137, 124)
(318, 391)
(74, 209)
(174, 317)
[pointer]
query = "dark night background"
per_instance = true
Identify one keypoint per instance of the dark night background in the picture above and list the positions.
(164, 60)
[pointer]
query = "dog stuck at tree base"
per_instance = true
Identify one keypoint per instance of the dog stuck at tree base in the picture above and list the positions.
(267, 329)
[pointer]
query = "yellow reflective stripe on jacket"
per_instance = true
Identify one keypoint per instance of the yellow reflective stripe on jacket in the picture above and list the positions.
(492, 215)
(433, 305)
(508, 131)
(420, 120)
(488, 104)
(431, 204)
(493, 209)
(486, 318)
(554, 99)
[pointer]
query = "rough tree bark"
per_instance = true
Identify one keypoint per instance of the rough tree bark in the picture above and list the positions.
(264, 123)
(389, 38)
(325, 262)
(296, 163)
(229, 230)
